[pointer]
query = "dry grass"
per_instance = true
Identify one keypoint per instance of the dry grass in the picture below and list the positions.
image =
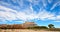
(24, 30)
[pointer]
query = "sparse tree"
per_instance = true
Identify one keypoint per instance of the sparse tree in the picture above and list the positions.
(51, 26)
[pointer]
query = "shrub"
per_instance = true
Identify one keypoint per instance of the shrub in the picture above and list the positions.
(38, 27)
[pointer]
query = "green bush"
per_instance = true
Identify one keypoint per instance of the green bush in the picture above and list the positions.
(38, 27)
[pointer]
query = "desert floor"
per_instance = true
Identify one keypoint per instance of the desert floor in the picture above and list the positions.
(24, 30)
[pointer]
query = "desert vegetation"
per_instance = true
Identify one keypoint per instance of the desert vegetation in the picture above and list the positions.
(31, 27)
(19, 26)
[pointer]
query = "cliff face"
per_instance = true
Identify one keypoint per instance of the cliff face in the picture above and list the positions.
(18, 26)
(14, 26)
(29, 24)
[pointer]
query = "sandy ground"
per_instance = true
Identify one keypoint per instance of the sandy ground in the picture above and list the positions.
(24, 30)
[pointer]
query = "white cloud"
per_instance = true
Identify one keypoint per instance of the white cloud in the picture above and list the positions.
(50, 1)
(44, 3)
(58, 17)
(56, 21)
(7, 14)
(4, 3)
(30, 1)
(14, 1)
(10, 14)
(55, 4)
(27, 14)
(55, 18)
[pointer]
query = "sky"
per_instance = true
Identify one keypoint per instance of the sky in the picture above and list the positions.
(42, 12)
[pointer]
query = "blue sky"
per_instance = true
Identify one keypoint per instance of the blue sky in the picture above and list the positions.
(42, 12)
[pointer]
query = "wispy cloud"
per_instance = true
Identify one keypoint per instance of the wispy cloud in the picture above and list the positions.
(50, 1)
(27, 14)
(44, 3)
(10, 14)
(56, 4)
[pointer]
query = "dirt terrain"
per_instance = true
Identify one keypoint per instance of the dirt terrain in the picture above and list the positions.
(24, 30)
